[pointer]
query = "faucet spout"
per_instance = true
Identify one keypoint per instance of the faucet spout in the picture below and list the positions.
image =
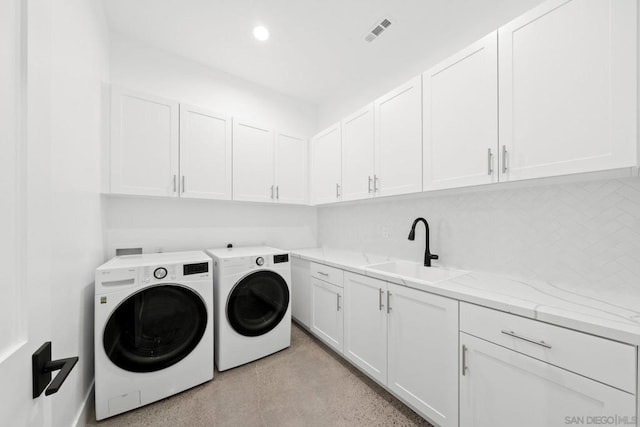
(428, 256)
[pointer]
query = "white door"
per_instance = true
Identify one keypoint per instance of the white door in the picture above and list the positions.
(144, 144)
(503, 388)
(461, 118)
(253, 161)
(568, 88)
(365, 324)
(326, 313)
(423, 352)
(301, 291)
(398, 117)
(358, 154)
(292, 174)
(205, 154)
(25, 189)
(326, 176)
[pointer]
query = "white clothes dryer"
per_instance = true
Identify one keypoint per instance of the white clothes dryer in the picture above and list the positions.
(153, 328)
(252, 294)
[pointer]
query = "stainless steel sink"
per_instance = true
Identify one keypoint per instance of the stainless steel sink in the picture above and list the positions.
(413, 270)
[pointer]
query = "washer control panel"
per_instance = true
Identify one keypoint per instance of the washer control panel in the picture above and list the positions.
(157, 272)
(160, 273)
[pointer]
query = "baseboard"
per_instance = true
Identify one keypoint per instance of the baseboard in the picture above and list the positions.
(85, 410)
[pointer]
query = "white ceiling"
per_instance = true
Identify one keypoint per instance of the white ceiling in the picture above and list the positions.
(317, 50)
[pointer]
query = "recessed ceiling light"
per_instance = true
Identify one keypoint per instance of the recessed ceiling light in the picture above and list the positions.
(261, 33)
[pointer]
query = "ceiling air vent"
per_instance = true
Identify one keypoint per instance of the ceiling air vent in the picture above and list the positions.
(377, 29)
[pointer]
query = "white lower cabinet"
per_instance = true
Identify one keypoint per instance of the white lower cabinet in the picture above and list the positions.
(503, 388)
(423, 352)
(326, 313)
(365, 324)
(301, 292)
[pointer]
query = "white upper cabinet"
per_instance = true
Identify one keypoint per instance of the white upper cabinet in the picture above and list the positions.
(291, 169)
(460, 98)
(568, 88)
(326, 176)
(358, 154)
(398, 135)
(144, 144)
(253, 161)
(205, 154)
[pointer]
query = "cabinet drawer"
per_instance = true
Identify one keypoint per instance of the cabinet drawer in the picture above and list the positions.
(603, 360)
(328, 274)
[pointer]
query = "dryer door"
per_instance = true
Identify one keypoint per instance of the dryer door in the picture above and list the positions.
(258, 303)
(155, 328)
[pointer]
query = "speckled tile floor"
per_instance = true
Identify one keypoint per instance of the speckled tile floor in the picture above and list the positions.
(304, 385)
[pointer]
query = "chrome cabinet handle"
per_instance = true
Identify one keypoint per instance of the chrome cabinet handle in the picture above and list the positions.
(323, 274)
(338, 295)
(380, 305)
(175, 183)
(370, 184)
(464, 360)
(272, 191)
(278, 192)
(520, 337)
(375, 182)
(489, 162)
(504, 159)
(183, 188)
(337, 190)
(388, 302)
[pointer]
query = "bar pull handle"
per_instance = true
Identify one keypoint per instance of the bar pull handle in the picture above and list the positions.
(183, 187)
(272, 191)
(338, 295)
(388, 302)
(504, 159)
(380, 305)
(520, 337)
(489, 162)
(277, 192)
(42, 366)
(376, 180)
(369, 184)
(464, 360)
(323, 274)
(175, 183)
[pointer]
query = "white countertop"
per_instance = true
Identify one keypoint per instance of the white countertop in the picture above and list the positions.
(607, 314)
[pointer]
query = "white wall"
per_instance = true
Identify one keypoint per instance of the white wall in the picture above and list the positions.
(586, 233)
(169, 225)
(157, 224)
(79, 40)
(476, 24)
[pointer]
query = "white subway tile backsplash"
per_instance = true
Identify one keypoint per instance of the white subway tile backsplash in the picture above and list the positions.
(582, 233)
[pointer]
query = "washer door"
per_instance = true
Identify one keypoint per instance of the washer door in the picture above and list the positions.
(258, 303)
(155, 328)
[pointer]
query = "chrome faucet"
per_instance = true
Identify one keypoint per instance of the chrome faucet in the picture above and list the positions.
(428, 256)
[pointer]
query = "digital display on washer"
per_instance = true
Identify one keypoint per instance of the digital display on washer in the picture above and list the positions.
(201, 267)
(280, 258)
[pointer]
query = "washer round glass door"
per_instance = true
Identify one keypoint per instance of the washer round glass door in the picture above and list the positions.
(258, 303)
(155, 328)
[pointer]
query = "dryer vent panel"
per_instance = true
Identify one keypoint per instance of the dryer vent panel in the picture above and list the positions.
(376, 31)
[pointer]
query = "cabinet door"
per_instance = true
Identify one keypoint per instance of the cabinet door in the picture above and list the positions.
(461, 118)
(398, 117)
(301, 291)
(503, 388)
(205, 154)
(326, 313)
(568, 88)
(144, 144)
(365, 324)
(253, 159)
(358, 154)
(326, 177)
(291, 169)
(423, 352)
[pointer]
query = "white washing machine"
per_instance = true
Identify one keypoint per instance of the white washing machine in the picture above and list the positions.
(153, 328)
(252, 294)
